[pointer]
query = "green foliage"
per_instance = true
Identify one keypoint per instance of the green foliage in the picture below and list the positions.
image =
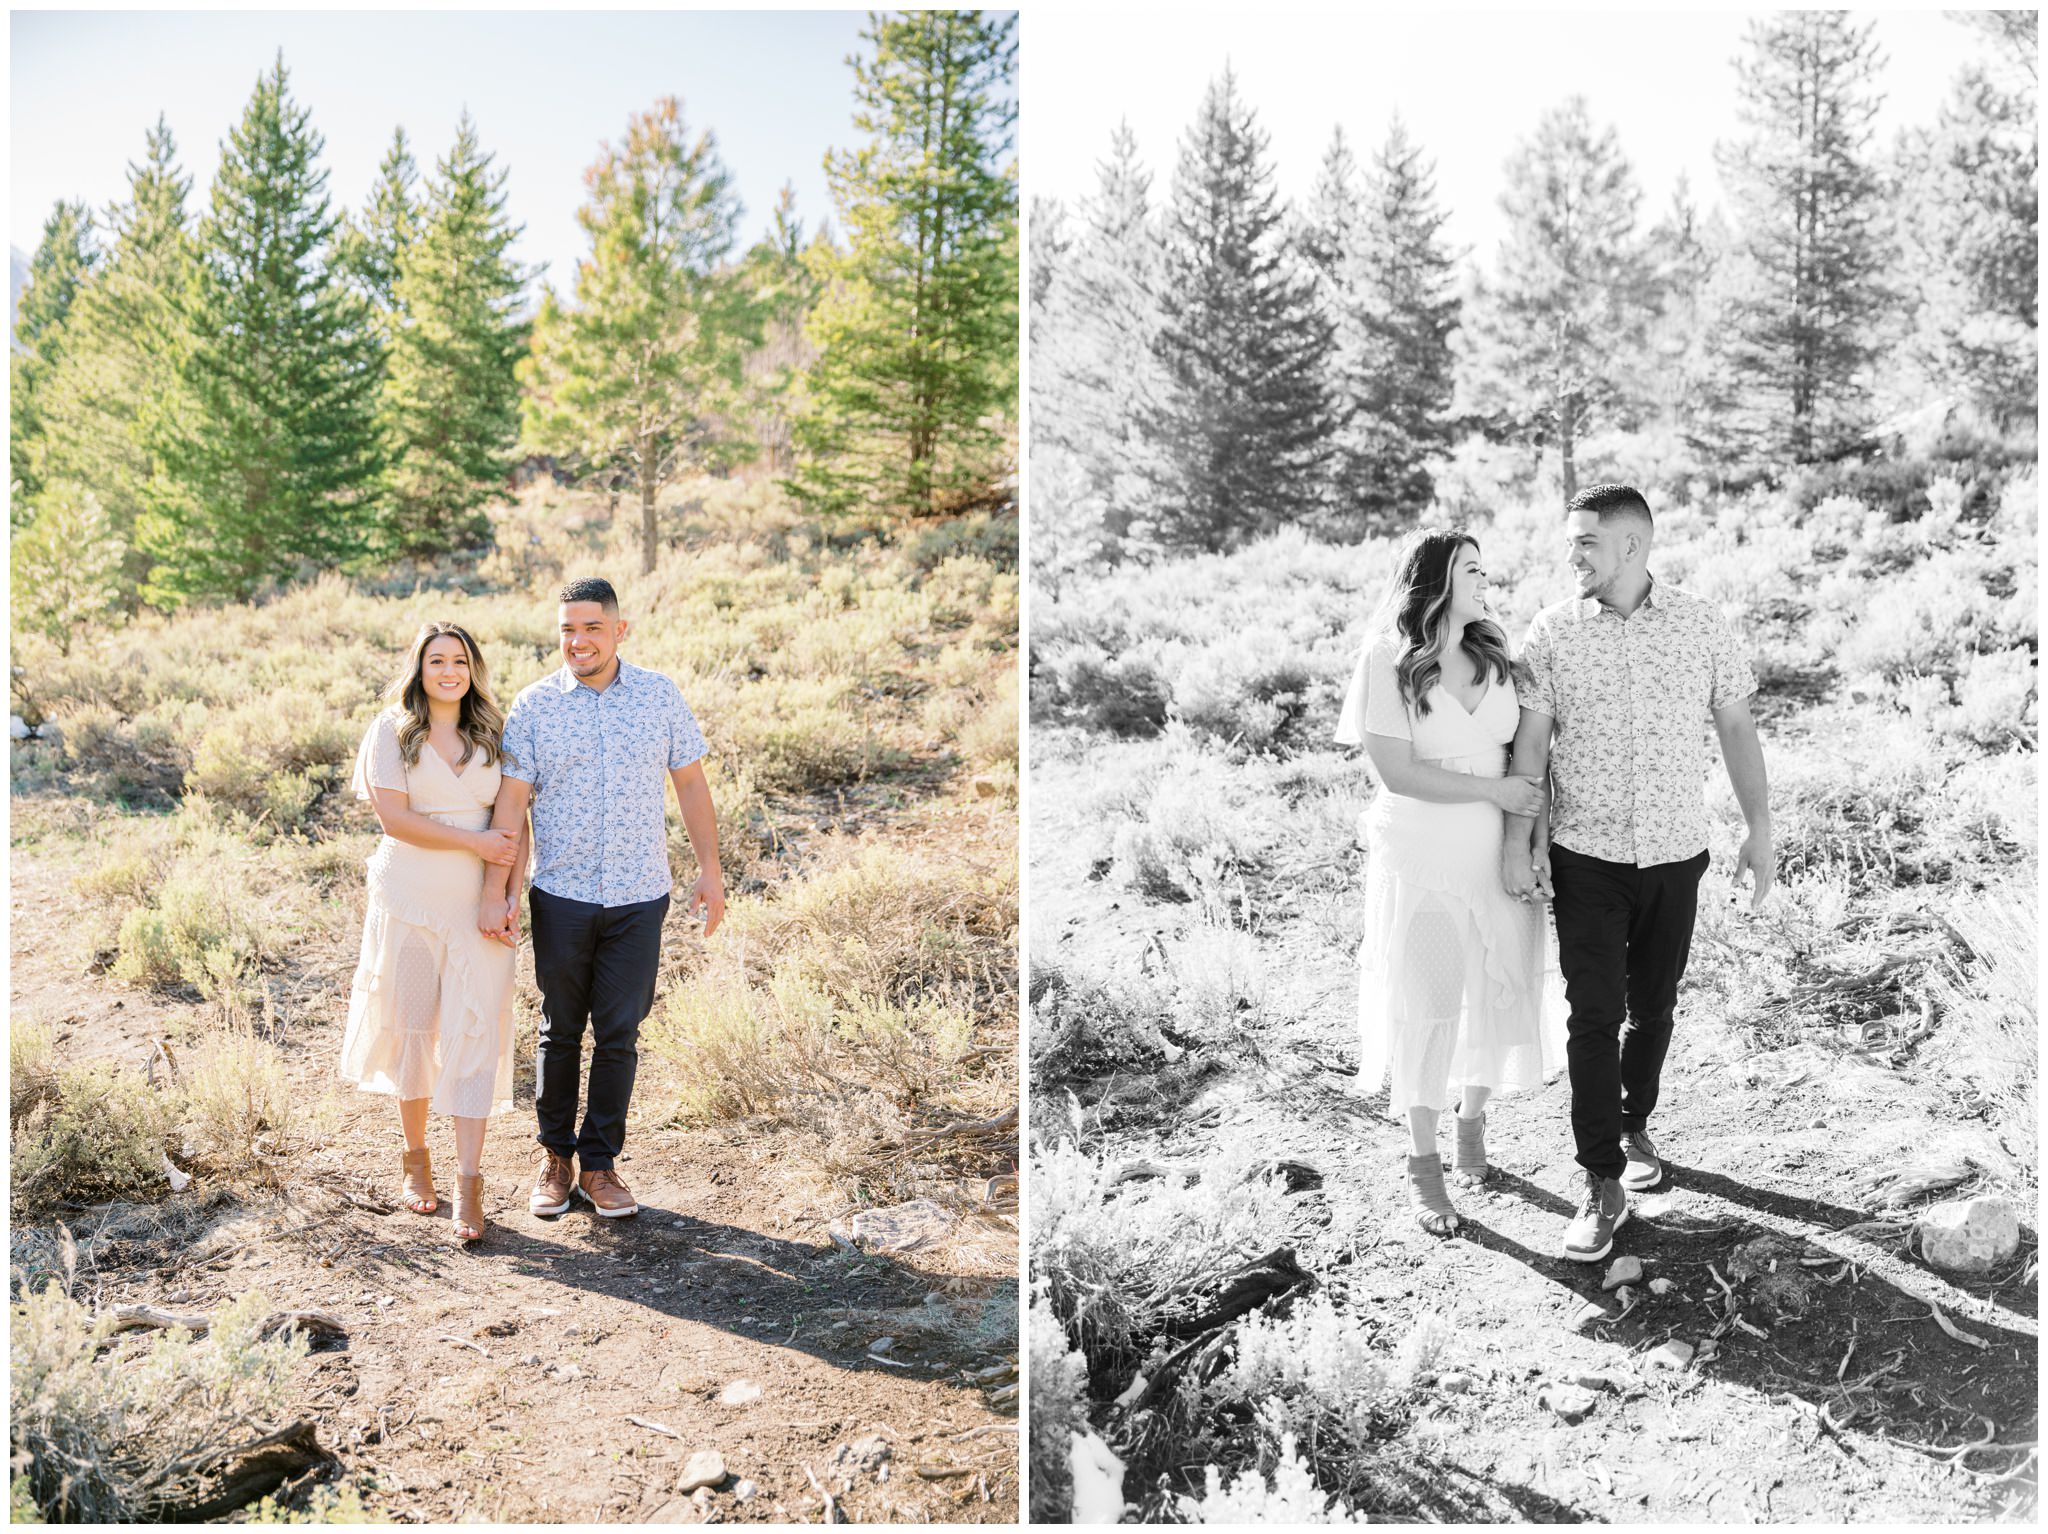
(61, 265)
(323, 1505)
(635, 377)
(66, 564)
(206, 926)
(370, 246)
(119, 1430)
(1244, 412)
(917, 323)
(1059, 1409)
(450, 409)
(119, 395)
(276, 464)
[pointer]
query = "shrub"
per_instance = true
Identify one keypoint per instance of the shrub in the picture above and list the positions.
(238, 1100)
(1247, 693)
(124, 1431)
(1290, 1498)
(143, 760)
(1086, 1023)
(1059, 1409)
(1123, 694)
(31, 1067)
(272, 762)
(96, 1132)
(737, 1050)
(207, 928)
(1996, 702)
(1184, 842)
(1317, 1372)
(990, 737)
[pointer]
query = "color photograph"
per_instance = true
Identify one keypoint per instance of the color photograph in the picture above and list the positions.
(515, 700)
(1532, 785)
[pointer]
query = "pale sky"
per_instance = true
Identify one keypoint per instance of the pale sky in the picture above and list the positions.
(1467, 85)
(545, 89)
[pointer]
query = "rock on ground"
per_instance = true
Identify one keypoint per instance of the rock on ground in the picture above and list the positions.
(1969, 1235)
(704, 1468)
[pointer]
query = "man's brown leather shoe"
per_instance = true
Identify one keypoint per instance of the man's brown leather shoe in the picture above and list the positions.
(551, 1184)
(606, 1194)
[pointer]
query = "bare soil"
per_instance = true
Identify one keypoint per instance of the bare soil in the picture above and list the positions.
(1840, 1398)
(501, 1383)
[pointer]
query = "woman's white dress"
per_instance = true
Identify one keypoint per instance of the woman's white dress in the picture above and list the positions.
(1453, 986)
(430, 1012)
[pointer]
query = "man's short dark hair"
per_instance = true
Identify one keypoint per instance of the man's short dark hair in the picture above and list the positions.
(594, 589)
(1606, 501)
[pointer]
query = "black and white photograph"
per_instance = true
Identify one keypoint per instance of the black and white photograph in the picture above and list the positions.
(1531, 796)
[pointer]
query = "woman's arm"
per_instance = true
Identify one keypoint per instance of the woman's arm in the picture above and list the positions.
(401, 822)
(1394, 763)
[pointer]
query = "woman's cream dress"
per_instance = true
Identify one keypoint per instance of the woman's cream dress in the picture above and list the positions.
(1453, 988)
(430, 1013)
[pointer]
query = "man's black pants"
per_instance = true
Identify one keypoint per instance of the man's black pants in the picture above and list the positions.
(596, 965)
(1623, 936)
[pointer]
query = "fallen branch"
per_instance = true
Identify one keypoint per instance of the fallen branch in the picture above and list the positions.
(655, 1427)
(135, 1318)
(1950, 1327)
(254, 1469)
(962, 1129)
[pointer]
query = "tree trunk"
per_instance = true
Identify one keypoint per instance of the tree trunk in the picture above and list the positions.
(647, 529)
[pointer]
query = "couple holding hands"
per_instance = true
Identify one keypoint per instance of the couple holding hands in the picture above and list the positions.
(453, 780)
(1608, 702)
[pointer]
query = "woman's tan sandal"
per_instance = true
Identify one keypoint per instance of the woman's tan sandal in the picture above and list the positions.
(469, 1207)
(416, 1182)
(1426, 1195)
(1469, 1160)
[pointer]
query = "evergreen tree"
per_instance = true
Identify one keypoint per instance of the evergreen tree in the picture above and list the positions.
(1101, 374)
(371, 245)
(1969, 228)
(1405, 296)
(61, 264)
(64, 566)
(917, 325)
(634, 379)
(1244, 414)
(119, 395)
(451, 393)
(280, 463)
(1569, 298)
(1686, 374)
(785, 290)
(1808, 205)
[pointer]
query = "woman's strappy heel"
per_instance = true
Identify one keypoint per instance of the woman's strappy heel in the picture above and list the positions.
(417, 1164)
(1469, 1160)
(469, 1207)
(1426, 1195)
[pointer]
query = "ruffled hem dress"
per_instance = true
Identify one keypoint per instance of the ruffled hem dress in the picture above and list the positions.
(1455, 983)
(430, 1009)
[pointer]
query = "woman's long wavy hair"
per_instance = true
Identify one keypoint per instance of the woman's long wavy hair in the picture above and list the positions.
(1413, 609)
(481, 723)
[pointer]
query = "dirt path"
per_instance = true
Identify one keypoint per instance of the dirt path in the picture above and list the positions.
(500, 1383)
(1809, 1417)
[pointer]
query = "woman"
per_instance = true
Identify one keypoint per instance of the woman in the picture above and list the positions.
(1451, 968)
(430, 1014)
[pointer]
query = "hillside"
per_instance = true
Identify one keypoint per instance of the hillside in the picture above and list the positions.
(187, 903)
(1230, 1296)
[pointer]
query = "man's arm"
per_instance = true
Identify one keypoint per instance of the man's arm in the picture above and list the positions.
(1524, 853)
(693, 797)
(1743, 753)
(498, 909)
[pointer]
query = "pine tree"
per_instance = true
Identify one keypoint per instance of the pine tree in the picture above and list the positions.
(1327, 237)
(917, 326)
(1405, 293)
(119, 395)
(635, 378)
(1100, 375)
(371, 245)
(62, 263)
(280, 464)
(64, 565)
(1969, 227)
(450, 406)
(785, 290)
(1244, 414)
(1809, 204)
(1569, 296)
(1686, 375)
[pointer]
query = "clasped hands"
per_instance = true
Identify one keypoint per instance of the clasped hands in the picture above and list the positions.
(1525, 873)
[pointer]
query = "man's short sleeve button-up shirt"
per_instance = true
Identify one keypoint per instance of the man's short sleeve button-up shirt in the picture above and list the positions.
(1632, 699)
(599, 765)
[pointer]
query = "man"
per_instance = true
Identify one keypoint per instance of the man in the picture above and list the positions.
(1625, 677)
(587, 748)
